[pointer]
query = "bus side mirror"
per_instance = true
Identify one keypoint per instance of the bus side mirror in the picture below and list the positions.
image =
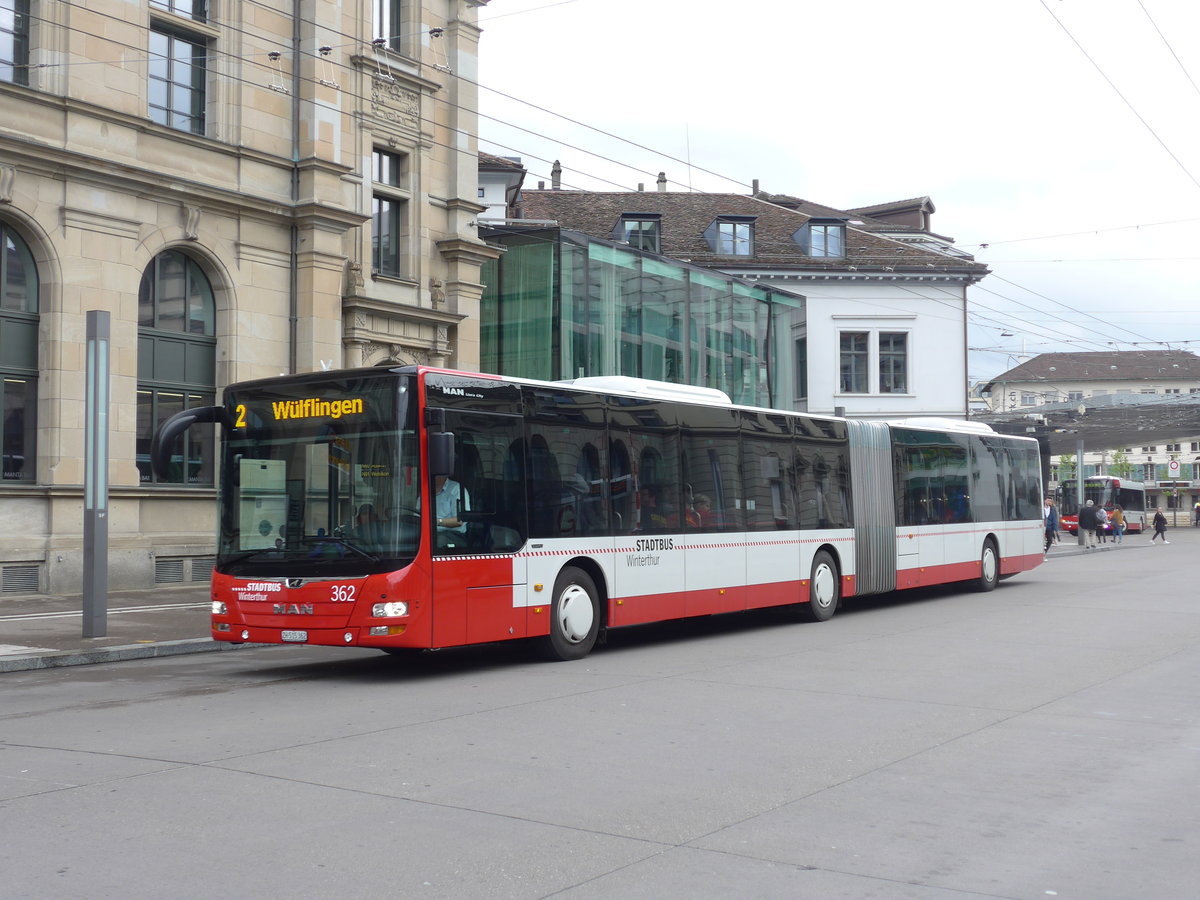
(441, 453)
(169, 431)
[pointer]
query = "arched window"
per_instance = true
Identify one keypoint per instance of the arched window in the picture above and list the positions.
(177, 352)
(18, 356)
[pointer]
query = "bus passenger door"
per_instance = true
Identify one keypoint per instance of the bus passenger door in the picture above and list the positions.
(478, 573)
(914, 517)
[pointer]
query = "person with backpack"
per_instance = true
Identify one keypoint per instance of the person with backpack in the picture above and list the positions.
(1101, 525)
(1160, 526)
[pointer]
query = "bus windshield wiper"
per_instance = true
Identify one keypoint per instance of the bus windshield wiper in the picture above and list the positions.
(249, 554)
(330, 539)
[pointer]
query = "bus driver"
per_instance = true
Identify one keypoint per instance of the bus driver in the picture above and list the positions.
(450, 499)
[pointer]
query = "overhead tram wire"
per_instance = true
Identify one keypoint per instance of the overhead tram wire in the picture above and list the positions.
(1067, 234)
(357, 42)
(354, 41)
(1167, 44)
(1124, 99)
(1103, 334)
(447, 146)
(1067, 307)
(268, 69)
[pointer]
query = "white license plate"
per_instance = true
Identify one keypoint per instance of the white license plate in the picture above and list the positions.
(296, 637)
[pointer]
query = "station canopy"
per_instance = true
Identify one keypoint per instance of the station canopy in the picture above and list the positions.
(1105, 422)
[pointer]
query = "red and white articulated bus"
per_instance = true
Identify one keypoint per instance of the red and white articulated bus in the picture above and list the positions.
(1106, 491)
(574, 508)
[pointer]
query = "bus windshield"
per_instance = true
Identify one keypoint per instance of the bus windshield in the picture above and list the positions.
(320, 479)
(1100, 493)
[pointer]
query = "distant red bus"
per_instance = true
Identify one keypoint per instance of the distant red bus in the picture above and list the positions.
(1108, 492)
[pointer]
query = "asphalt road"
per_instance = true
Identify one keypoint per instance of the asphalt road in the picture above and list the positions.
(1039, 741)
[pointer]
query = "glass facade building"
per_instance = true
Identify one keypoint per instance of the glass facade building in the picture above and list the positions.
(560, 305)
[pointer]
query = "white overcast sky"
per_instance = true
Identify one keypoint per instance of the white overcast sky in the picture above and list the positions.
(1086, 192)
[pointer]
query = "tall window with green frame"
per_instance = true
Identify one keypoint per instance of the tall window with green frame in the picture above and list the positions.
(18, 357)
(177, 349)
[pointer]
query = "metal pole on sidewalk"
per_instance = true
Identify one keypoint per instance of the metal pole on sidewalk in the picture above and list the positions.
(95, 478)
(1081, 539)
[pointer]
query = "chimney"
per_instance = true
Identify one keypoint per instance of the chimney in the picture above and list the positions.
(754, 188)
(662, 181)
(541, 185)
(641, 186)
(556, 176)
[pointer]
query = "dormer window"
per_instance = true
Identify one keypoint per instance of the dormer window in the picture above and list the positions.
(731, 236)
(641, 231)
(822, 239)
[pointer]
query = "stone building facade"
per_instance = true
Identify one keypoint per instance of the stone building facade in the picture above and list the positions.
(248, 189)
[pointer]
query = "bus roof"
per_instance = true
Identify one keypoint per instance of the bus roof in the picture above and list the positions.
(660, 390)
(943, 424)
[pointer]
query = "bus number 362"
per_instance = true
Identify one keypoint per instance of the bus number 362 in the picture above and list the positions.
(342, 593)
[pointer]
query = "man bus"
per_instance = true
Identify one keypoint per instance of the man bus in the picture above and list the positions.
(575, 510)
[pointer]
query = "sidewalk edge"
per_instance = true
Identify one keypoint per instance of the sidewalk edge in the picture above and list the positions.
(61, 658)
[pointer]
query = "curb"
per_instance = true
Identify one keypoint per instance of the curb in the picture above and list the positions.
(61, 658)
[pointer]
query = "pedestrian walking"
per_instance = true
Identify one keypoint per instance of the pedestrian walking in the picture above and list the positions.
(1101, 525)
(1087, 524)
(1050, 519)
(1160, 526)
(1118, 524)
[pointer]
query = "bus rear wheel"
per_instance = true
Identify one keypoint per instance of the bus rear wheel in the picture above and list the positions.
(574, 616)
(989, 567)
(824, 588)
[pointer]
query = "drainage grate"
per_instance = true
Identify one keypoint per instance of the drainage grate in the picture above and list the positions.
(168, 571)
(19, 579)
(202, 568)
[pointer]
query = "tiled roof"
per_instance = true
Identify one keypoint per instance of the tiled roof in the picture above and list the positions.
(1115, 365)
(685, 216)
(491, 161)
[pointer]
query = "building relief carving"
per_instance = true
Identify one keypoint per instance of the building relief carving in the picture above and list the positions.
(191, 223)
(352, 284)
(393, 103)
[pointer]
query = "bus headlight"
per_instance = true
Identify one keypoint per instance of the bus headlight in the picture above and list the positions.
(219, 608)
(389, 610)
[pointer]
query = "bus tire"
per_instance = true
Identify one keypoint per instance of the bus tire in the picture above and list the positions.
(989, 567)
(574, 617)
(824, 588)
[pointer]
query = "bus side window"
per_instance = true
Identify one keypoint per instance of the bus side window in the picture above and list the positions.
(620, 488)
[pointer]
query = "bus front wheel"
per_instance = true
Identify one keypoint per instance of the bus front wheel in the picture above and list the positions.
(574, 616)
(824, 588)
(989, 566)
